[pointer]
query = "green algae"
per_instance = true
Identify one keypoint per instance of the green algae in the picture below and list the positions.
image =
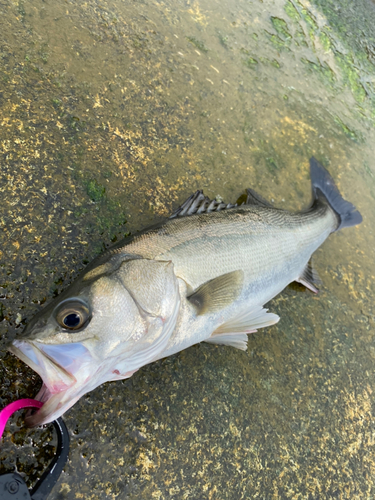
(307, 16)
(350, 75)
(325, 41)
(352, 134)
(322, 69)
(347, 62)
(272, 165)
(272, 62)
(278, 42)
(283, 38)
(250, 62)
(281, 27)
(95, 190)
(223, 40)
(292, 11)
(197, 43)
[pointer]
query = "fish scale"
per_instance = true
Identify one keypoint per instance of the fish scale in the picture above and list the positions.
(201, 250)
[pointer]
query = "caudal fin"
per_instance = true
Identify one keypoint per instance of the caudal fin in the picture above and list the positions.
(323, 185)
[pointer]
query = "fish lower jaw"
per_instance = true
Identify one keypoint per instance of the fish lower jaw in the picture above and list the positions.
(32, 417)
(44, 394)
(55, 404)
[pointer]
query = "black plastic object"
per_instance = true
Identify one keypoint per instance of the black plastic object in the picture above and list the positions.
(13, 486)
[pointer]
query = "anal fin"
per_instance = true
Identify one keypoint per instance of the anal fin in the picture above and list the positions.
(310, 278)
(237, 340)
(234, 332)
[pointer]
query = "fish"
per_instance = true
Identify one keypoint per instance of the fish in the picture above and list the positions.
(202, 275)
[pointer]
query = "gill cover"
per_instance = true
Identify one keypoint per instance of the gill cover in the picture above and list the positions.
(154, 288)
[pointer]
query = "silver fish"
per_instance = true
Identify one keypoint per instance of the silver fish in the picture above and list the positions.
(202, 275)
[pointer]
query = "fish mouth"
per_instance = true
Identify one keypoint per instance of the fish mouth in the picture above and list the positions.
(59, 368)
(52, 409)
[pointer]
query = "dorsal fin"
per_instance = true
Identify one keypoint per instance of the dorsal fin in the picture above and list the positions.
(253, 198)
(198, 203)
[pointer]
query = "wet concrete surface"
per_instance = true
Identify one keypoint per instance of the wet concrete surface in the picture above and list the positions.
(111, 114)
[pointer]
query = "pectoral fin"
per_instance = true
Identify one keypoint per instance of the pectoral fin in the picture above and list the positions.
(310, 278)
(218, 293)
(234, 332)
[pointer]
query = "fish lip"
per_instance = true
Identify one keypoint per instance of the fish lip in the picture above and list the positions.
(33, 417)
(50, 398)
(45, 414)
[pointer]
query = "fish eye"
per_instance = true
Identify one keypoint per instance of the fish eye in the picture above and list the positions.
(72, 314)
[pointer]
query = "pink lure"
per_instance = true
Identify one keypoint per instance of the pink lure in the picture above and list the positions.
(8, 411)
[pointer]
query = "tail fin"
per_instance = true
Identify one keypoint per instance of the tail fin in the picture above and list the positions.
(323, 185)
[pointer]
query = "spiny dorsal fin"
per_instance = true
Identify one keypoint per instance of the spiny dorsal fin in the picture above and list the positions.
(309, 278)
(198, 203)
(217, 293)
(253, 198)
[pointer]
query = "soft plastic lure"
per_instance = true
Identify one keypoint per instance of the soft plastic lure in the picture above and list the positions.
(8, 411)
(12, 485)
